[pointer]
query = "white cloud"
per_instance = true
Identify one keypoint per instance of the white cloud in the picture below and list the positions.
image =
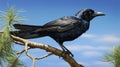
(102, 38)
(88, 36)
(91, 54)
(87, 47)
(79, 47)
(102, 64)
(97, 63)
(109, 38)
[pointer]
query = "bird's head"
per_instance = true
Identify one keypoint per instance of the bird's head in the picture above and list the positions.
(88, 14)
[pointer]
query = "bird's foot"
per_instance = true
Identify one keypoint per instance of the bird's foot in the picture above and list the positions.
(68, 52)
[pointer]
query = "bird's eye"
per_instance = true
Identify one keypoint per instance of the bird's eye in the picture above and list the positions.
(90, 12)
(87, 13)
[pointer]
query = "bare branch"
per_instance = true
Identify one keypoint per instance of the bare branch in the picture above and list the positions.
(17, 42)
(22, 51)
(30, 56)
(44, 56)
(48, 48)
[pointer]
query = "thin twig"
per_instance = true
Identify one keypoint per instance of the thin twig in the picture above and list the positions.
(31, 57)
(44, 56)
(17, 42)
(26, 50)
(33, 62)
(22, 51)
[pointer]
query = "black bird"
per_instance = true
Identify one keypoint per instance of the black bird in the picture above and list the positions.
(63, 29)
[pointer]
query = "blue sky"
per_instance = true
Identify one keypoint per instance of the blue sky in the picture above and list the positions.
(87, 49)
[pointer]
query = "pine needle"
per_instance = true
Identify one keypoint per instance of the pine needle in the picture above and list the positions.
(7, 54)
(113, 56)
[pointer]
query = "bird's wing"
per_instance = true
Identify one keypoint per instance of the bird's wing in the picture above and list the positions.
(61, 25)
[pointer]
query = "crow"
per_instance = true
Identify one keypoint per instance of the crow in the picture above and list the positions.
(63, 29)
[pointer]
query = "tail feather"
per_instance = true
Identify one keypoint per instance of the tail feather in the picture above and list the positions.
(26, 27)
(27, 34)
(26, 31)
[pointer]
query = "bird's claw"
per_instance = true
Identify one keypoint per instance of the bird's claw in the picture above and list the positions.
(68, 52)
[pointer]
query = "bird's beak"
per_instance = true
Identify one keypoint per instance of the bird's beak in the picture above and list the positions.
(99, 14)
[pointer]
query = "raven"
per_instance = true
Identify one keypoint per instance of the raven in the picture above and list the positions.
(63, 29)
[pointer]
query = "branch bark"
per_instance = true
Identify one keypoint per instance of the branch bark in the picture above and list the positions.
(48, 48)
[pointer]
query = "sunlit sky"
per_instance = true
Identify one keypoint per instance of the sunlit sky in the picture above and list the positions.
(88, 49)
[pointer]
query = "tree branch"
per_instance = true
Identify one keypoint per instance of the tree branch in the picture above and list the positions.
(48, 48)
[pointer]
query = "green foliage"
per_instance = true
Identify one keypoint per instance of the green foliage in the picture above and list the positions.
(113, 56)
(7, 54)
(11, 16)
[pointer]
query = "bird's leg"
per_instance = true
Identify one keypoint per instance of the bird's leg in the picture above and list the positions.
(65, 50)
